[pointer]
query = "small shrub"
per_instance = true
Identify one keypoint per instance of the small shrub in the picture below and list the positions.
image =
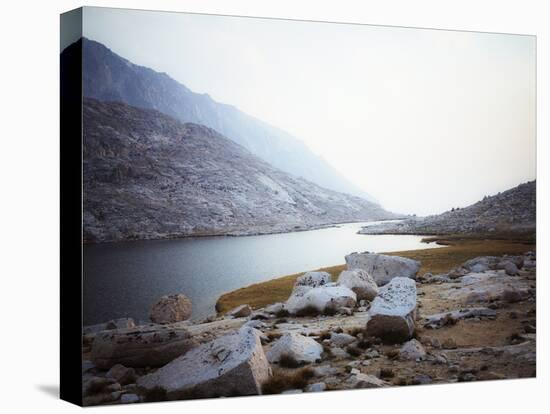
(282, 313)
(281, 381)
(155, 394)
(327, 352)
(386, 373)
(392, 353)
(355, 331)
(273, 336)
(308, 311)
(288, 361)
(364, 344)
(324, 335)
(374, 340)
(354, 350)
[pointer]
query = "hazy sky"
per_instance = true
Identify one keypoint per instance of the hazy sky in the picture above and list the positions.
(424, 120)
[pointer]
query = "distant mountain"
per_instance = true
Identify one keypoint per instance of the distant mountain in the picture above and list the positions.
(109, 77)
(514, 210)
(147, 175)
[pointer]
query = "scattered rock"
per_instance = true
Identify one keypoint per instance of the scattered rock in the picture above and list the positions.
(299, 347)
(481, 264)
(341, 339)
(360, 282)
(337, 352)
(393, 312)
(366, 381)
(491, 375)
(511, 269)
(142, 346)
(324, 370)
(234, 364)
(412, 350)
(514, 295)
(170, 309)
(260, 316)
(108, 326)
(439, 320)
(293, 391)
(129, 398)
(240, 311)
(87, 366)
(344, 310)
(99, 385)
(422, 379)
(256, 324)
(274, 308)
(466, 377)
(449, 343)
(122, 374)
(316, 387)
(383, 268)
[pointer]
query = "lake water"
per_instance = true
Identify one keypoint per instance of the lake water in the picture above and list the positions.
(125, 279)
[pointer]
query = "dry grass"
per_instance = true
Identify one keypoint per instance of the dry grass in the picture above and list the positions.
(288, 361)
(281, 381)
(355, 331)
(458, 249)
(324, 335)
(354, 351)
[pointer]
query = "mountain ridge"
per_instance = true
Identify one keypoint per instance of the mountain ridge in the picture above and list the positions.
(149, 176)
(108, 76)
(513, 210)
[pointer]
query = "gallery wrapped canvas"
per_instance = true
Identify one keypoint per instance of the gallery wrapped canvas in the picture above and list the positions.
(260, 206)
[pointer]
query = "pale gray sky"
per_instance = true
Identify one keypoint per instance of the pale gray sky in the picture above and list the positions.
(424, 120)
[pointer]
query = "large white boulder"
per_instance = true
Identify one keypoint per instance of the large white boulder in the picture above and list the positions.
(234, 364)
(393, 312)
(361, 282)
(486, 287)
(142, 346)
(323, 299)
(299, 347)
(313, 279)
(171, 308)
(381, 267)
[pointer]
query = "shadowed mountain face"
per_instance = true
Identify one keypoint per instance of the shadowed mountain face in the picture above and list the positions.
(109, 77)
(147, 175)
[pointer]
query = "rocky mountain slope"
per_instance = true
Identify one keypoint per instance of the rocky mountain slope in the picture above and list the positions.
(109, 77)
(513, 210)
(147, 175)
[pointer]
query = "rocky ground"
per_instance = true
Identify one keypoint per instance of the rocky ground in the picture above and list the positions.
(513, 210)
(380, 325)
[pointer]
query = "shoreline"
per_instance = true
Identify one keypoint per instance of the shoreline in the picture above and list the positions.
(455, 250)
(239, 233)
